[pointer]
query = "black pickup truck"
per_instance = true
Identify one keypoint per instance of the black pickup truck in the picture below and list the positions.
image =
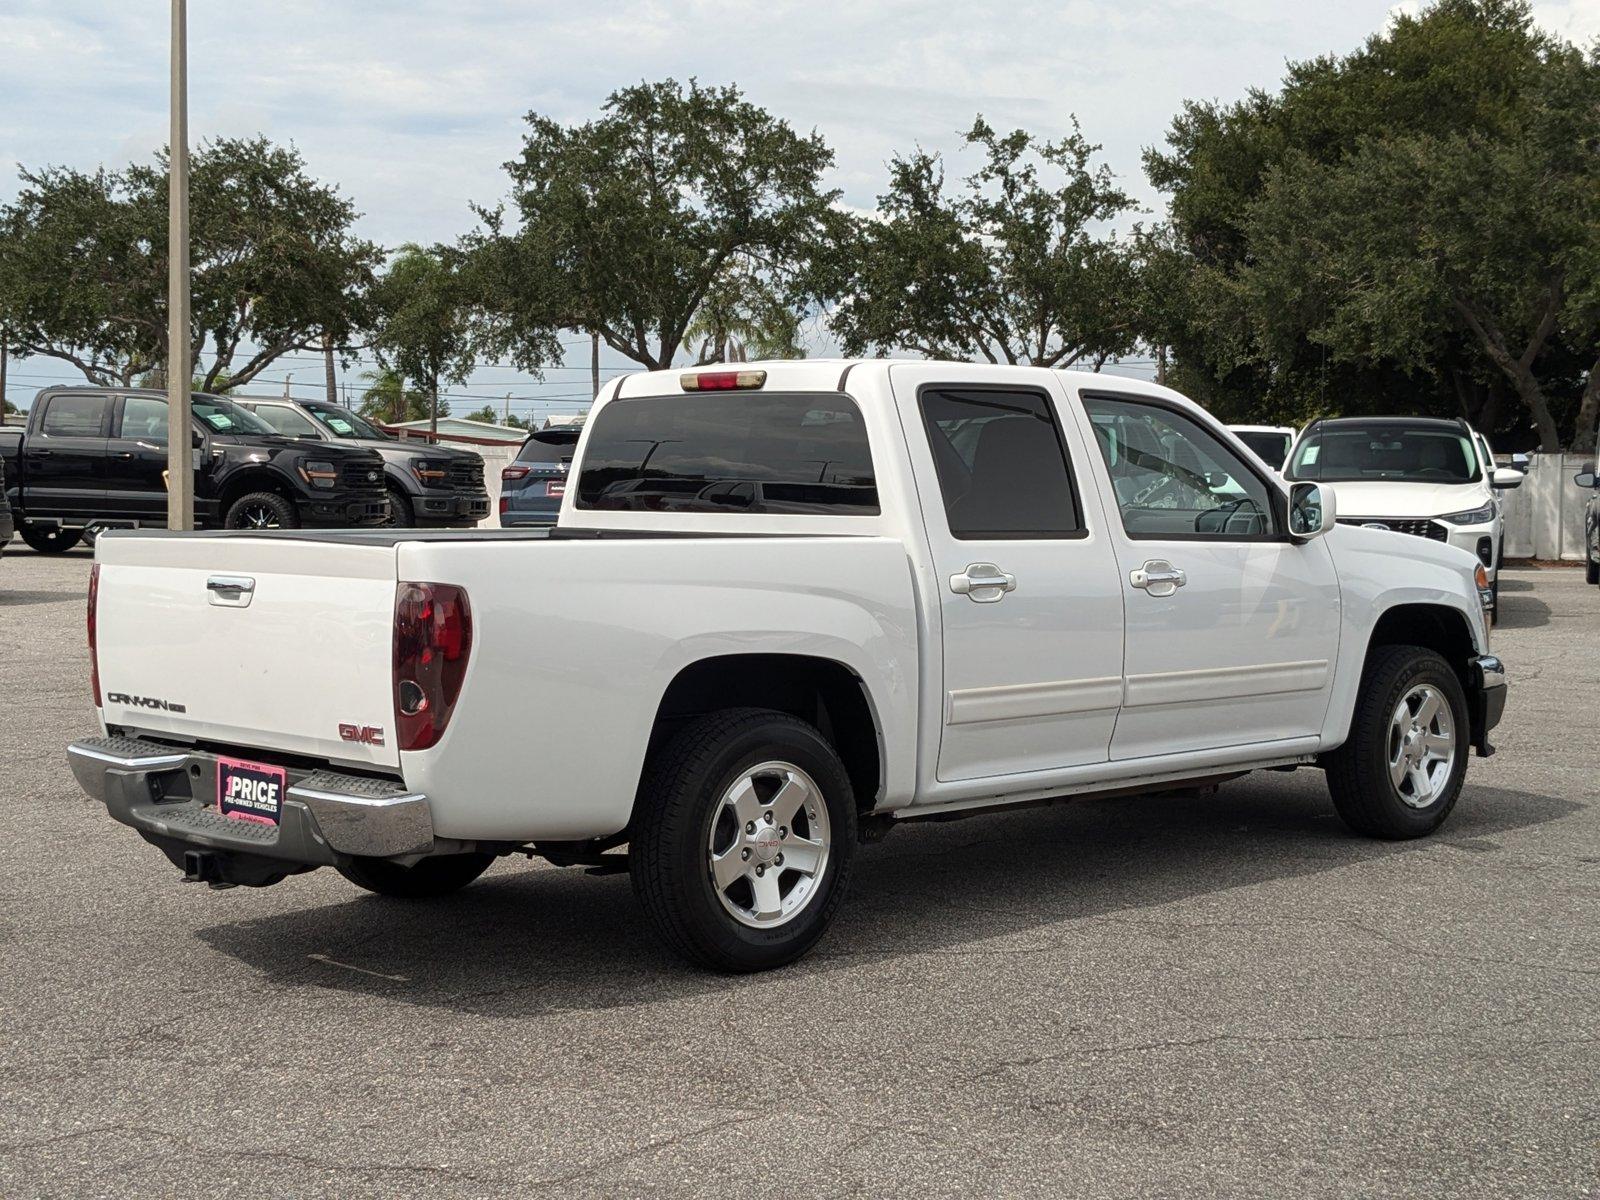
(96, 458)
(6, 526)
(429, 486)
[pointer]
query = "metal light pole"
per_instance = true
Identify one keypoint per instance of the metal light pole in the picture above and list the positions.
(180, 451)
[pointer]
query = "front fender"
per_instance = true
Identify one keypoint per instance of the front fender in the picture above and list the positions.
(1380, 571)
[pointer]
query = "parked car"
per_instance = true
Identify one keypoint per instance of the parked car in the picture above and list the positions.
(96, 458)
(1413, 475)
(785, 606)
(429, 486)
(1269, 442)
(1591, 522)
(534, 483)
(7, 526)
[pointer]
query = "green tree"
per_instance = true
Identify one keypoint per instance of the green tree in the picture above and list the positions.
(423, 321)
(488, 414)
(389, 400)
(744, 318)
(1413, 227)
(83, 266)
(627, 225)
(1008, 266)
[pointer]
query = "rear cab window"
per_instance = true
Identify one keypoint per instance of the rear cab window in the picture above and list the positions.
(740, 452)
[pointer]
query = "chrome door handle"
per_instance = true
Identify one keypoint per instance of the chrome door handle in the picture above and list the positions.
(232, 591)
(983, 583)
(1158, 577)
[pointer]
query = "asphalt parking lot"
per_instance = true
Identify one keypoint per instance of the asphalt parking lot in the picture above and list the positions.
(1224, 996)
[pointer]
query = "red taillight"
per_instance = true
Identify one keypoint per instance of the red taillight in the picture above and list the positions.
(432, 641)
(513, 473)
(94, 643)
(505, 505)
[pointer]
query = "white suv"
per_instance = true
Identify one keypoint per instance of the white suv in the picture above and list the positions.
(1414, 475)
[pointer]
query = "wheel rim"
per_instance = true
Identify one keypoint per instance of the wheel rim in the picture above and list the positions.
(258, 516)
(1422, 746)
(768, 848)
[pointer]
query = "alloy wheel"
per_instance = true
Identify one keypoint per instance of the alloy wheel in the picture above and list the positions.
(768, 846)
(1422, 746)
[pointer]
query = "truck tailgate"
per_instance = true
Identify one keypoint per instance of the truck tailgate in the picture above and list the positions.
(281, 664)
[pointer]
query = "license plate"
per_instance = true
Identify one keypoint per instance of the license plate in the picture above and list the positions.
(250, 791)
(555, 488)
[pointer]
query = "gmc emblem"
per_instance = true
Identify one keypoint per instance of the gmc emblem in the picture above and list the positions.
(366, 735)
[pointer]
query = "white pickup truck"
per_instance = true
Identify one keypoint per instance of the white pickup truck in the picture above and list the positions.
(785, 607)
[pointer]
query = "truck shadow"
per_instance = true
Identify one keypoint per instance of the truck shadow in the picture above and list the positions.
(1522, 612)
(21, 599)
(525, 941)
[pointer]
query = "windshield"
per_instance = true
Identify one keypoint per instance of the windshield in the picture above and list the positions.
(1413, 454)
(224, 416)
(343, 423)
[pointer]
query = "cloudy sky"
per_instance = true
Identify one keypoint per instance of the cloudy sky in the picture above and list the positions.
(411, 108)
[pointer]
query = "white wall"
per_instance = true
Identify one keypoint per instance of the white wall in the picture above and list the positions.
(1544, 517)
(494, 457)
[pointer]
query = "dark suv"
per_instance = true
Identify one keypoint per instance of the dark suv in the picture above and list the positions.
(532, 485)
(428, 485)
(96, 458)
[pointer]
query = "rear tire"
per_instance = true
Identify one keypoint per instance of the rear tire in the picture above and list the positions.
(1384, 780)
(1592, 571)
(428, 879)
(722, 777)
(401, 514)
(261, 510)
(51, 541)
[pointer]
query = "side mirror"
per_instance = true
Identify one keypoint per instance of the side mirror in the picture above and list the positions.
(1312, 510)
(1506, 477)
(1585, 479)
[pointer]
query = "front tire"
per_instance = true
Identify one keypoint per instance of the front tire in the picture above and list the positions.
(428, 879)
(261, 510)
(401, 514)
(743, 839)
(1400, 771)
(51, 541)
(1592, 572)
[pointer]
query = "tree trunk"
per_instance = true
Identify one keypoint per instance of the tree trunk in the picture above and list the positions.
(1584, 436)
(1519, 371)
(433, 407)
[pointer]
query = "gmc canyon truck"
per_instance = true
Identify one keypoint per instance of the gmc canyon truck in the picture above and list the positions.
(785, 607)
(93, 459)
(429, 486)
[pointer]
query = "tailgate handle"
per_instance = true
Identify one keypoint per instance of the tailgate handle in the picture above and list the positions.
(231, 591)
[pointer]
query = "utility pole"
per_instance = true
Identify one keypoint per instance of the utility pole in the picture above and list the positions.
(180, 434)
(508, 406)
(327, 368)
(594, 363)
(286, 380)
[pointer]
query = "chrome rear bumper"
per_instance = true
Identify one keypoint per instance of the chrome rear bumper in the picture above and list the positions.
(168, 793)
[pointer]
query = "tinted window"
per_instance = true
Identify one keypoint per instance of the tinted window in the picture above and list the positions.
(1002, 468)
(285, 420)
(549, 447)
(751, 452)
(144, 419)
(1418, 453)
(76, 416)
(1174, 478)
(1270, 448)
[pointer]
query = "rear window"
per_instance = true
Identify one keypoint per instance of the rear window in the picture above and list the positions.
(749, 452)
(1270, 448)
(549, 447)
(76, 416)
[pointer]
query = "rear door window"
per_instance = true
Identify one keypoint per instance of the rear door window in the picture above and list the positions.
(76, 416)
(1001, 463)
(742, 452)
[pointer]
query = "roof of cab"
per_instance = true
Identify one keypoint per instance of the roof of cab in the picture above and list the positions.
(831, 374)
